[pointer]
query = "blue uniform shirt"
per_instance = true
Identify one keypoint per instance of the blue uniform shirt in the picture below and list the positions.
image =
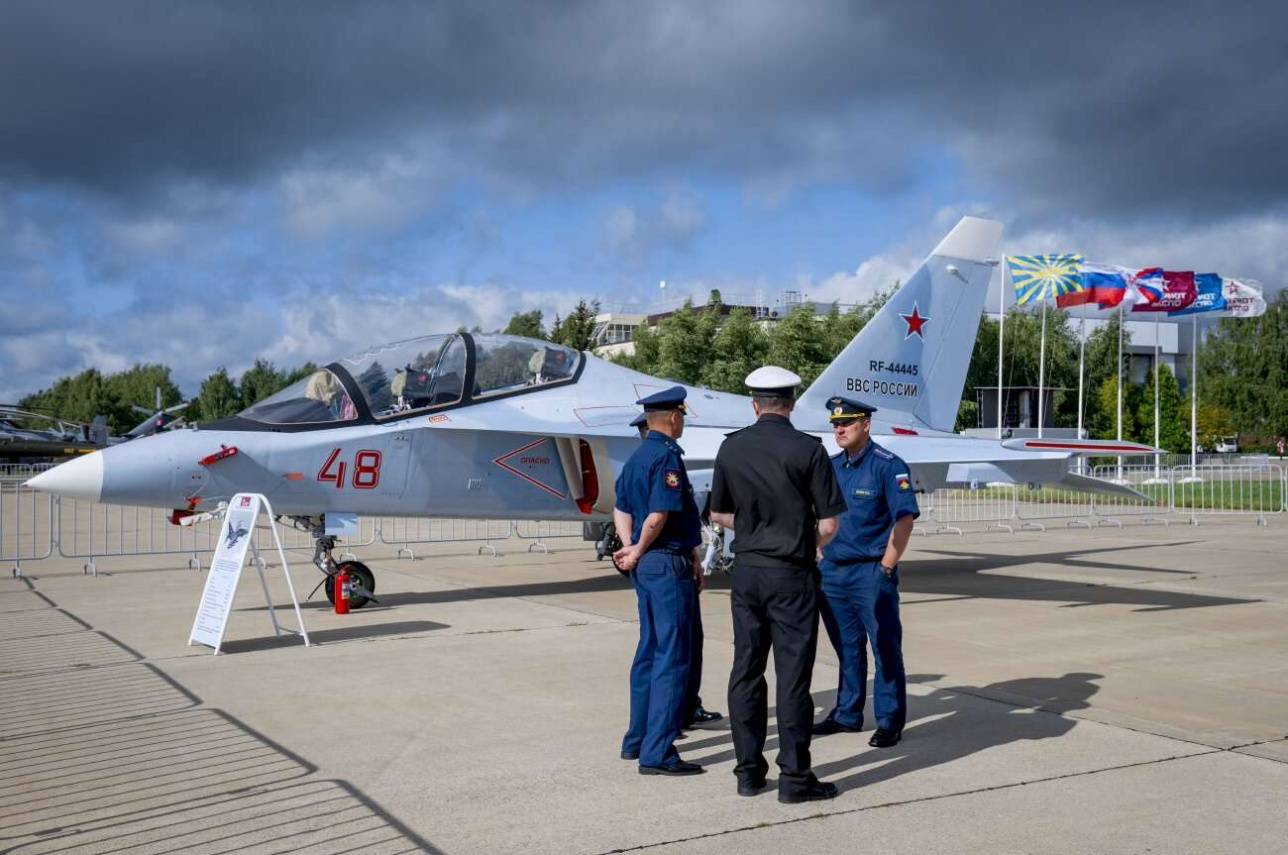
(878, 491)
(654, 479)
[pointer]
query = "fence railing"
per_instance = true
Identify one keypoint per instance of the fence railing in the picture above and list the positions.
(35, 526)
(26, 525)
(404, 532)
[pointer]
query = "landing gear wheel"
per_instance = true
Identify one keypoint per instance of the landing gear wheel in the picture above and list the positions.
(359, 575)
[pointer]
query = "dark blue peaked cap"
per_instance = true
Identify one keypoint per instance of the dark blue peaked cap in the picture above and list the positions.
(639, 421)
(667, 399)
(847, 408)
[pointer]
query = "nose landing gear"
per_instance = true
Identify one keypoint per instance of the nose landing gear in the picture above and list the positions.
(362, 582)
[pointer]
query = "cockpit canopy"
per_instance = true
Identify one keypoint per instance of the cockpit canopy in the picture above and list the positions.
(415, 375)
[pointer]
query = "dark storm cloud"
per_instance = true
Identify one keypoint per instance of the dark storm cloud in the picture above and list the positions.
(1115, 107)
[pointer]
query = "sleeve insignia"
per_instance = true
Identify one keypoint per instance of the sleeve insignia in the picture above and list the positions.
(904, 483)
(673, 479)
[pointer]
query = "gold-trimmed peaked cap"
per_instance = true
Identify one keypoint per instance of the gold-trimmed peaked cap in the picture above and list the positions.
(667, 399)
(840, 409)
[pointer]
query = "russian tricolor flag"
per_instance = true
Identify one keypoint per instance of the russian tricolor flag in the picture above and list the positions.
(1104, 284)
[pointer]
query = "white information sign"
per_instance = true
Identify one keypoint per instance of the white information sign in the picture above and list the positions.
(235, 538)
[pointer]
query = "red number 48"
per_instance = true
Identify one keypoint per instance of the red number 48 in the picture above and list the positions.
(366, 470)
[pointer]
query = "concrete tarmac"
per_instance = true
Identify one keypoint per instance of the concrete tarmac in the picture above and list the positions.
(1072, 691)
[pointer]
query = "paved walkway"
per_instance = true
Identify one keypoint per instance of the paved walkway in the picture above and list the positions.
(1119, 691)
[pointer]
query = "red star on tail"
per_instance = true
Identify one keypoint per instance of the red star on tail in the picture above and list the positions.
(915, 323)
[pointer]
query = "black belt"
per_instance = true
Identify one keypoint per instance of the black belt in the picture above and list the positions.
(668, 550)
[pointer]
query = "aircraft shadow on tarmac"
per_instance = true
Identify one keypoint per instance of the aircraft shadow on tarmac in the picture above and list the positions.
(956, 576)
(947, 725)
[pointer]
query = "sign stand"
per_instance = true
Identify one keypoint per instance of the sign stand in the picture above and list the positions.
(236, 535)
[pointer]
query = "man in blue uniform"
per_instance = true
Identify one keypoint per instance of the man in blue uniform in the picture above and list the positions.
(657, 519)
(694, 712)
(860, 570)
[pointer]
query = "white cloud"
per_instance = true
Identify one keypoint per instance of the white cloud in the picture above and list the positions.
(147, 236)
(383, 196)
(633, 233)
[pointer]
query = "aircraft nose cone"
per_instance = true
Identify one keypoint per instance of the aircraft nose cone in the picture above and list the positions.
(79, 478)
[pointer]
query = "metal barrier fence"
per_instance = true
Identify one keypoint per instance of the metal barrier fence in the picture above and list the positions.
(26, 525)
(1155, 482)
(1246, 490)
(952, 507)
(22, 471)
(90, 531)
(538, 531)
(402, 532)
(33, 526)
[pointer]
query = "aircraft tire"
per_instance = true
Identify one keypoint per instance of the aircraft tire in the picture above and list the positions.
(361, 574)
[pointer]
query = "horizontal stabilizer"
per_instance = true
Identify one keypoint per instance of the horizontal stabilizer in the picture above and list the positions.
(1087, 484)
(1079, 446)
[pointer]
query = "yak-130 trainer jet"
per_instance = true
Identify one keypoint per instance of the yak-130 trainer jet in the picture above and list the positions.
(501, 427)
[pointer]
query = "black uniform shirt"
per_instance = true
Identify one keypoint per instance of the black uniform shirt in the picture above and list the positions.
(778, 483)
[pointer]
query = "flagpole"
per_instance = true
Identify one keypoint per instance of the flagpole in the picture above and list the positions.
(1082, 352)
(1157, 371)
(1119, 377)
(1001, 328)
(1041, 364)
(1194, 391)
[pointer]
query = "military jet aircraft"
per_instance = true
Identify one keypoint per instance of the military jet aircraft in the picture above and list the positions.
(25, 434)
(494, 426)
(158, 419)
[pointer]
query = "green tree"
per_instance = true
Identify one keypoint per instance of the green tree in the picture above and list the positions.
(839, 328)
(78, 398)
(138, 386)
(647, 356)
(1173, 424)
(797, 344)
(259, 381)
(1243, 368)
(684, 343)
(737, 349)
(298, 374)
(1106, 397)
(217, 399)
(525, 324)
(577, 329)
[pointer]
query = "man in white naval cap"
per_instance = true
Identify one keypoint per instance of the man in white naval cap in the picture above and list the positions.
(775, 487)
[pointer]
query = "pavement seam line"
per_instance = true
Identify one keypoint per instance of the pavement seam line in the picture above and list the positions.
(905, 802)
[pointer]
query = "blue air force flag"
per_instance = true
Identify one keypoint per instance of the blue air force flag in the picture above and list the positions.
(1045, 277)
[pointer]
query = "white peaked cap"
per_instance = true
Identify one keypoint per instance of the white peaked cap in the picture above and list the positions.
(771, 378)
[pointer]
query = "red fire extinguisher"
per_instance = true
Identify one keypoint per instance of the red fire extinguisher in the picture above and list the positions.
(342, 591)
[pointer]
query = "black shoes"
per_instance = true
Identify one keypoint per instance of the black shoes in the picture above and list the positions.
(702, 716)
(816, 792)
(630, 755)
(751, 788)
(674, 767)
(828, 726)
(885, 738)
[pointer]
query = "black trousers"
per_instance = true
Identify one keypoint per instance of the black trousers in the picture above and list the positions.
(692, 700)
(773, 607)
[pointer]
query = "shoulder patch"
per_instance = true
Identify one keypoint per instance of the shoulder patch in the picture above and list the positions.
(673, 479)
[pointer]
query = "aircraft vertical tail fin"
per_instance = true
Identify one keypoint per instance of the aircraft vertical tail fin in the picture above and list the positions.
(910, 360)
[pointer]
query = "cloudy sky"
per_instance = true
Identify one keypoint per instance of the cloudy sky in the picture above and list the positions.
(204, 183)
